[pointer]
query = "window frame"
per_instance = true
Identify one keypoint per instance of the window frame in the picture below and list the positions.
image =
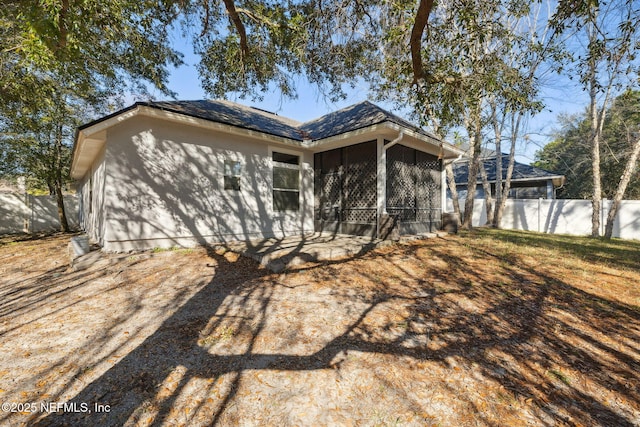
(91, 191)
(282, 165)
(237, 177)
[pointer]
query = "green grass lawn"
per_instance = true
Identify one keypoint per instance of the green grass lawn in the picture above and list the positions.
(617, 253)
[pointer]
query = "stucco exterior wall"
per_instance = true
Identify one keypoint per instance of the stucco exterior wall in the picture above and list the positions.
(91, 192)
(164, 186)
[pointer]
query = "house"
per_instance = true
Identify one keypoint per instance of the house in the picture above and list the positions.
(527, 182)
(180, 173)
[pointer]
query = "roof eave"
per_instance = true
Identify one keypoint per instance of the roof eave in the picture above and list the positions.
(386, 128)
(554, 178)
(99, 127)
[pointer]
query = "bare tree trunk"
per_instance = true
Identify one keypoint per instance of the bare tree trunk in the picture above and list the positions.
(62, 215)
(451, 182)
(475, 150)
(597, 122)
(488, 194)
(496, 216)
(499, 210)
(415, 42)
(622, 187)
(64, 224)
(596, 198)
(492, 214)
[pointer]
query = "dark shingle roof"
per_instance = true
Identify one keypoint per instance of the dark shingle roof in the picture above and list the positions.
(348, 119)
(352, 118)
(520, 171)
(233, 114)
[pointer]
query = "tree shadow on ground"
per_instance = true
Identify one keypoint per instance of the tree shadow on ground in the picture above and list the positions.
(538, 325)
(542, 340)
(614, 252)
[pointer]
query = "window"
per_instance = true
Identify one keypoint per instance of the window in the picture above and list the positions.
(286, 182)
(91, 193)
(232, 173)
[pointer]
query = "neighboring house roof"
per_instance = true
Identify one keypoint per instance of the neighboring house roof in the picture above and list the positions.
(227, 116)
(521, 172)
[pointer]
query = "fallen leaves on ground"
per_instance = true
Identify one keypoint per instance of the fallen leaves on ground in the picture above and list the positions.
(478, 329)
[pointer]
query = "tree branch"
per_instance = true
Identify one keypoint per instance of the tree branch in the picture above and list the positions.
(207, 14)
(62, 24)
(237, 22)
(259, 19)
(415, 42)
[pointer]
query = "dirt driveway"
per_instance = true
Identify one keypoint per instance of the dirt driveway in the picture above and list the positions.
(455, 331)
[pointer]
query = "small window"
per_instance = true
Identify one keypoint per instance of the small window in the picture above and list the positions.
(91, 193)
(232, 173)
(286, 182)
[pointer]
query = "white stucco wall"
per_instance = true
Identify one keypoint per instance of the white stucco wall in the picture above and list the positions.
(91, 192)
(164, 187)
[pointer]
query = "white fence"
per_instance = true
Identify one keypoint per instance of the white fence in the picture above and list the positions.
(23, 213)
(561, 216)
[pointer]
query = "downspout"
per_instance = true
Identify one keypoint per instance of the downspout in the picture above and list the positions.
(395, 141)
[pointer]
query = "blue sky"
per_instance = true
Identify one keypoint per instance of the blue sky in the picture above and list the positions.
(560, 97)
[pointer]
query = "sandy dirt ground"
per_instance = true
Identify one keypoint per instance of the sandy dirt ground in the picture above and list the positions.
(465, 330)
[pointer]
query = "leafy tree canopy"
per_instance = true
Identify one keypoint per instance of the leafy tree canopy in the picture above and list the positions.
(570, 153)
(108, 44)
(255, 47)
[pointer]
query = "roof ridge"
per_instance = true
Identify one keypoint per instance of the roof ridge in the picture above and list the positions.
(376, 115)
(352, 117)
(271, 115)
(262, 111)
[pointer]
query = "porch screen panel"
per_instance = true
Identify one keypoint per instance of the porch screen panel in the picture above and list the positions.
(328, 185)
(345, 184)
(359, 186)
(413, 185)
(401, 182)
(428, 189)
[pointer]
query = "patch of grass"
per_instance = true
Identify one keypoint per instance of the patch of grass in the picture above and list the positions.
(559, 375)
(507, 397)
(402, 325)
(614, 252)
(224, 335)
(182, 250)
(383, 418)
(10, 240)
(176, 249)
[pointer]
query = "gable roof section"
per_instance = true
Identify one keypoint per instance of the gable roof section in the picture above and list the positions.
(353, 118)
(232, 117)
(521, 172)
